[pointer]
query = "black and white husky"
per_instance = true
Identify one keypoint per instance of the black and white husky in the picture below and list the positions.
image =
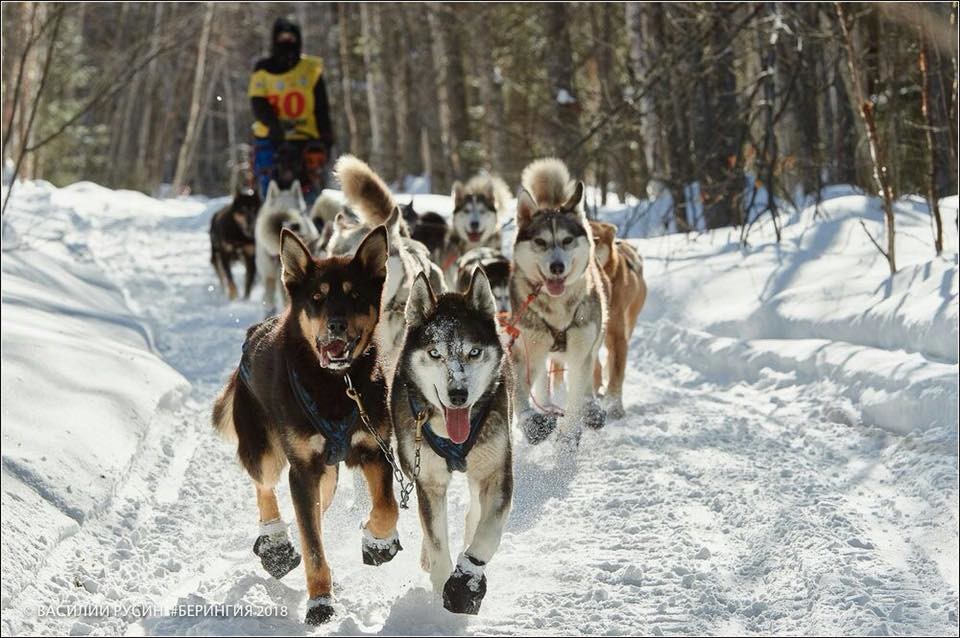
(453, 386)
(559, 286)
(478, 210)
(282, 208)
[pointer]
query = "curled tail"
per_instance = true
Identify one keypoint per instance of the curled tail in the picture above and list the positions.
(365, 190)
(548, 180)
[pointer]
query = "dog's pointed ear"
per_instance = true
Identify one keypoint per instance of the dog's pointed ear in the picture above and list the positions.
(458, 193)
(298, 192)
(272, 190)
(294, 257)
(526, 206)
(421, 302)
(573, 204)
(372, 253)
(479, 295)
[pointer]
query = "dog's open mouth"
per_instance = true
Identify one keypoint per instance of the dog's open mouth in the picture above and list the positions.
(336, 353)
(555, 285)
(474, 236)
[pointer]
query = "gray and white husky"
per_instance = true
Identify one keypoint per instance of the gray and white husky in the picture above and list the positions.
(565, 322)
(374, 204)
(281, 209)
(454, 379)
(478, 210)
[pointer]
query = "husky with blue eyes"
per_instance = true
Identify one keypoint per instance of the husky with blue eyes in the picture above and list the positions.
(450, 402)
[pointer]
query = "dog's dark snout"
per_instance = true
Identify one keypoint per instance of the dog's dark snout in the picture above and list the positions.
(337, 325)
(458, 396)
(556, 268)
(474, 226)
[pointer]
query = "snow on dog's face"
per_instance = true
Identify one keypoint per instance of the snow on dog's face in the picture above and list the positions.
(452, 351)
(553, 246)
(474, 216)
(335, 302)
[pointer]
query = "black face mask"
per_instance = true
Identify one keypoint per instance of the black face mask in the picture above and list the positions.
(288, 52)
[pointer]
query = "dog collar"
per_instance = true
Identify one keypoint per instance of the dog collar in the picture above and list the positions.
(455, 454)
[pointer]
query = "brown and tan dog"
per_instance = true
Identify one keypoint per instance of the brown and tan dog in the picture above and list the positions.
(623, 267)
(286, 403)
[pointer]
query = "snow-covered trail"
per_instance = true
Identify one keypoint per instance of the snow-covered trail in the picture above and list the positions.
(712, 508)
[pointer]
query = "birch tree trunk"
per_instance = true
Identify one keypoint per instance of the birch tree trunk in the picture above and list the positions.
(450, 144)
(150, 90)
(564, 127)
(346, 77)
(876, 149)
(185, 156)
(376, 85)
(928, 120)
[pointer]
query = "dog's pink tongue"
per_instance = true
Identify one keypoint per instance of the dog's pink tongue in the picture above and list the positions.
(458, 423)
(556, 286)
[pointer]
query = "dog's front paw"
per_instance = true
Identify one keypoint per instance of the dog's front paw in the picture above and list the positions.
(319, 610)
(537, 426)
(276, 553)
(466, 587)
(377, 551)
(594, 416)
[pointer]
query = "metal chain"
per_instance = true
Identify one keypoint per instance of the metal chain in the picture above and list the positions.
(405, 488)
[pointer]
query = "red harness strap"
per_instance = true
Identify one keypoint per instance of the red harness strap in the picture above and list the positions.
(510, 327)
(449, 261)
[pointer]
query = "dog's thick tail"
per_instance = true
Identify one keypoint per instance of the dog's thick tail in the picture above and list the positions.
(364, 190)
(548, 180)
(223, 421)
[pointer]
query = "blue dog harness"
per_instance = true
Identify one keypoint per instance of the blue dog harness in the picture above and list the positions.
(336, 433)
(455, 454)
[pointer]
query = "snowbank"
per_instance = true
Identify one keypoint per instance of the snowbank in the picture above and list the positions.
(820, 304)
(80, 383)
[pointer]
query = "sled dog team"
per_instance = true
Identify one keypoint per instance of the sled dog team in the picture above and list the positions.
(372, 348)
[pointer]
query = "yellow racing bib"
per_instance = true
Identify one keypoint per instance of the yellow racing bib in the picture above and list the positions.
(291, 96)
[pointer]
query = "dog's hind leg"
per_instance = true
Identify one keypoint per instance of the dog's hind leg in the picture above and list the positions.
(616, 364)
(380, 540)
(435, 553)
(226, 275)
(251, 270)
(270, 293)
(216, 261)
(311, 494)
(465, 588)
